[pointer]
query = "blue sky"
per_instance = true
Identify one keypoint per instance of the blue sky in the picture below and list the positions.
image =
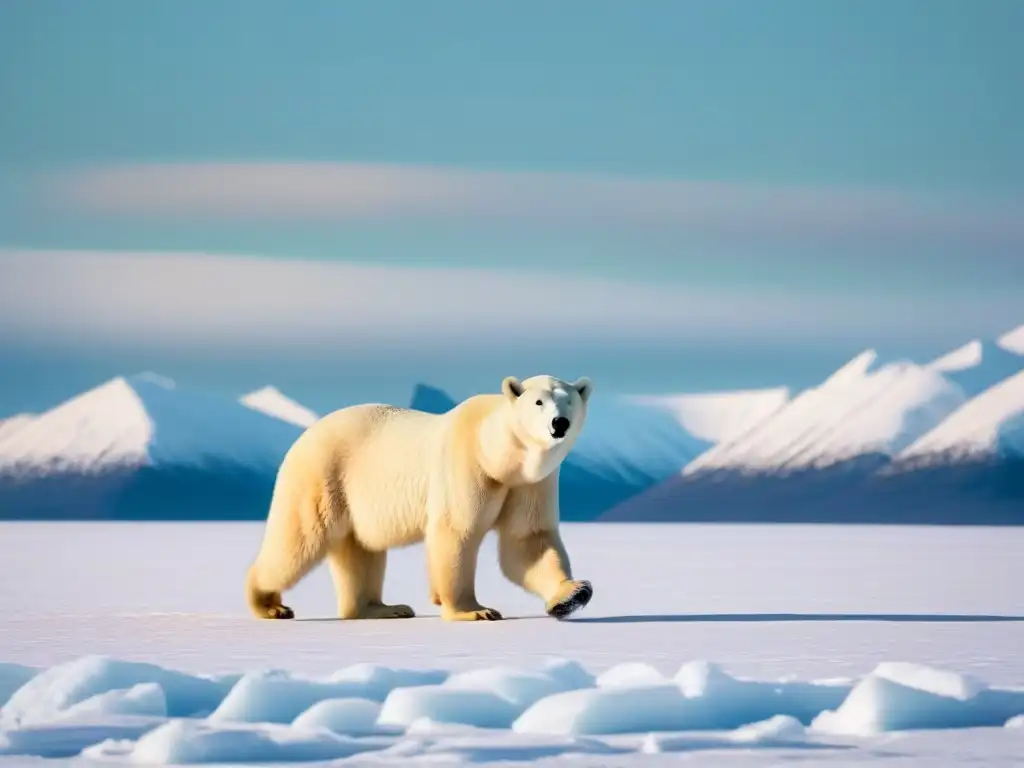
(775, 186)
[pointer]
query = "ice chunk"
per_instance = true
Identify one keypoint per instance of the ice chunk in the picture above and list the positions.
(701, 678)
(521, 687)
(700, 697)
(59, 688)
(777, 729)
(497, 747)
(70, 736)
(424, 726)
(195, 741)
(12, 677)
(898, 697)
(571, 674)
(878, 704)
(374, 681)
(276, 696)
(606, 710)
(144, 699)
(780, 731)
(350, 717)
(630, 675)
(941, 682)
(443, 704)
(731, 701)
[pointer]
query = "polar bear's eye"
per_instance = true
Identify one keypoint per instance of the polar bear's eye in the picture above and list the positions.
(539, 403)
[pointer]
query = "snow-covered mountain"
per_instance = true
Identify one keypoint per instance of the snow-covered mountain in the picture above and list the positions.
(716, 417)
(12, 424)
(140, 447)
(877, 441)
(979, 364)
(271, 401)
(1013, 340)
(626, 447)
(863, 447)
(863, 409)
(643, 441)
(624, 436)
(989, 425)
(430, 399)
(144, 420)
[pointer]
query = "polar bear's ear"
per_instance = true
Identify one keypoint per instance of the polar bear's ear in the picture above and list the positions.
(584, 387)
(511, 387)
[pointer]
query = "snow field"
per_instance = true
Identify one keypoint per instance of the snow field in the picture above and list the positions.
(109, 709)
(166, 665)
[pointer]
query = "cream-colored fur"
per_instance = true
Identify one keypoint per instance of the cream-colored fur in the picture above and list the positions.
(369, 478)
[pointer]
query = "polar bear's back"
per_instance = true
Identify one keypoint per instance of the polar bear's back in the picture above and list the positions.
(369, 468)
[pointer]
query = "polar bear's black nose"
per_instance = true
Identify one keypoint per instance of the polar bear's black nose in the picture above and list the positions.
(559, 426)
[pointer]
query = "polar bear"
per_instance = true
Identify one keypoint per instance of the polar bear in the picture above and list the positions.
(369, 478)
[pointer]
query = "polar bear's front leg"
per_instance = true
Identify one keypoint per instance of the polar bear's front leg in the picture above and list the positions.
(531, 552)
(537, 561)
(451, 559)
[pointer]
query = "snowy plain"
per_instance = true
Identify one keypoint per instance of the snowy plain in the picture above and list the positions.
(913, 638)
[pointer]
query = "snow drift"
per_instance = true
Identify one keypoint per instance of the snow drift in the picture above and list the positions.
(106, 709)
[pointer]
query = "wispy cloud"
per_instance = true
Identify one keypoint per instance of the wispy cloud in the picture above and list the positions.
(237, 303)
(728, 211)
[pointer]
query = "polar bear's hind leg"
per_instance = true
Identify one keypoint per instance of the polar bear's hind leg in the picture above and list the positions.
(358, 576)
(264, 604)
(294, 542)
(277, 569)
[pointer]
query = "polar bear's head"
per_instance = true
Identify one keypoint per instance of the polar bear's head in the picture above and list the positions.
(548, 412)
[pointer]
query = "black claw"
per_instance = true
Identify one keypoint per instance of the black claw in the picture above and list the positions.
(576, 600)
(282, 612)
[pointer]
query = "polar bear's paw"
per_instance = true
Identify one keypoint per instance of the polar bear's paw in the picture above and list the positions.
(382, 611)
(279, 612)
(479, 614)
(571, 597)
